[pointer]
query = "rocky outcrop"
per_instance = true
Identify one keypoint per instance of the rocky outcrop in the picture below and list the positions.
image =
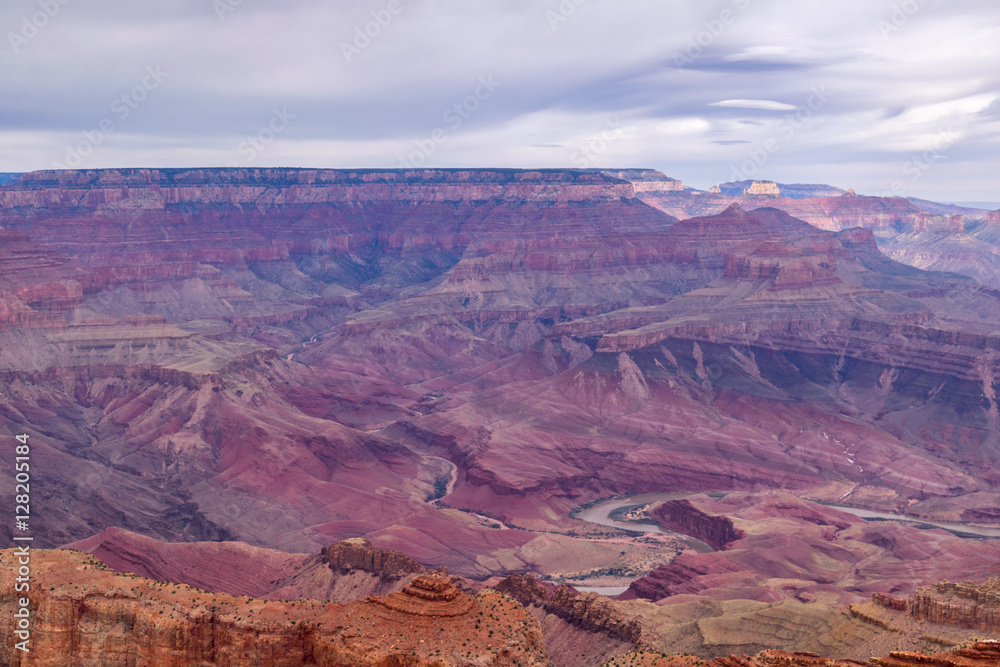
(860, 613)
(82, 614)
(988, 515)
(646, 180)
(589, 611)
(790, 190)
(683, 517)
(964, 604)
(359, 554)
(890, 602)
(763, 189)
(162, 231)
(428, 596)
(803, 551)
(978, 654)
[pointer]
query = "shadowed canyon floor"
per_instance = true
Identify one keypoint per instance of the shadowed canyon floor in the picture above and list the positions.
(450, 363)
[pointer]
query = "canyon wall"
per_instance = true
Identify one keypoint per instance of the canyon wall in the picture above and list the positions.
(685, 518)
(84, 614)
(589, 611)
(965, 604)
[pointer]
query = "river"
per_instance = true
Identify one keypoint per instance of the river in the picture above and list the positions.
(962, 529)
(600, 514)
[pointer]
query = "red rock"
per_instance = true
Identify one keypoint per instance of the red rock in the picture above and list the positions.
(683, 517)
(794, 549)
(293, 357)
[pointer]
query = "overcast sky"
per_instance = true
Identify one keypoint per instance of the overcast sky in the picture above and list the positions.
(879, 95)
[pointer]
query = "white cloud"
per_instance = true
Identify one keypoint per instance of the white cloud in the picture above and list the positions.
(763, 105)
(888, 96)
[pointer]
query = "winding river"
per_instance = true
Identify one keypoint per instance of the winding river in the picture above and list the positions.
(960, 529)
(600, 514)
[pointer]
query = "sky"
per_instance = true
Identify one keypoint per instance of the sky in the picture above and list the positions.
(889, 97)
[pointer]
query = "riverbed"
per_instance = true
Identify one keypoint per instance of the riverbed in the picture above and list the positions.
(600, 514)
(961, 529)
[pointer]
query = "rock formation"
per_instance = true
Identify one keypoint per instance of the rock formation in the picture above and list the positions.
(592, 612)
(579, 628)
(84, 614)
(978, 654)
(792, 549)
(646, 180)
(428, 596)
(683, 517)
(358, 554)
(966, 604)
(763, 189)
(342, 572)
(447, 363)
(890, 602)
(790, 190)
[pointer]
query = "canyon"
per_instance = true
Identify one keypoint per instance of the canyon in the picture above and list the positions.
(341, 380)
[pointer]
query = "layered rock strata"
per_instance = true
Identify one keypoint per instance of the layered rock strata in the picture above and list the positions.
(428, 595)
(978, 654)
(85, 615)
(792, 549)
(589, 611)
(965, 604)
(683, 517)
(359, 554)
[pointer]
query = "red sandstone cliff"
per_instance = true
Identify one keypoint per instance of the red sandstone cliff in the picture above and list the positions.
(84, 614)
(965, 604)
(978, 654)
(685, 518)
(589, 611)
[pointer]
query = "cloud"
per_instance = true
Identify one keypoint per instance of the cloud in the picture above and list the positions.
(696, 87)
(763, 105)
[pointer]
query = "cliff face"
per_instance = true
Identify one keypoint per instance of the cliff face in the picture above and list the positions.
(343, 572)
(646, 180)
(920, 234)
(164, 231)
(791, 190)
(964, 604)
(589, 611)
(683, 517)
(791, 549)
(296, 357)
(85, 615)
(978, 654)
(128, 191)
(358, 554)
(829, 211)
(579, 628)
